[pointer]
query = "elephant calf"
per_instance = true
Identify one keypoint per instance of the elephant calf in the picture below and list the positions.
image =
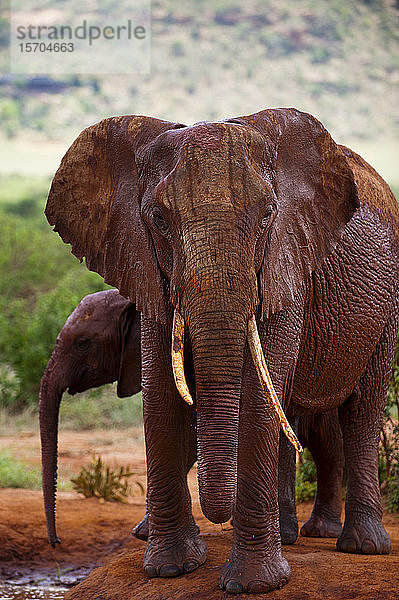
(100, 343)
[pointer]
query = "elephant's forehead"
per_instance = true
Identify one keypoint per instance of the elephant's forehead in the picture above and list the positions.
(212, 163)
(210, 138)
(97, 308)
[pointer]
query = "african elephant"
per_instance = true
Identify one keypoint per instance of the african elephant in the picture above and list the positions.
(99, 343)
(264, 260)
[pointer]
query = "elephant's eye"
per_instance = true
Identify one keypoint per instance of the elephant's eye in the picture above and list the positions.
(82, 344)
(266, 218)
(159, 220)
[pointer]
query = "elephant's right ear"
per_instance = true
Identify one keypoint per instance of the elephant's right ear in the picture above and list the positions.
(94, 205)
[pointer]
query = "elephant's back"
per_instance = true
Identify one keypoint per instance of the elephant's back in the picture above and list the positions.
(375, 193)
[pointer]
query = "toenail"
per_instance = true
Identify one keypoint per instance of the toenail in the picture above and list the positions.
(233, 587)
(150, 571)
(257, 587)
(169, 571)
(190, 565)
(368, 547)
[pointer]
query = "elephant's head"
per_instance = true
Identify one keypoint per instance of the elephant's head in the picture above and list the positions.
(99, 343)
(214, 222)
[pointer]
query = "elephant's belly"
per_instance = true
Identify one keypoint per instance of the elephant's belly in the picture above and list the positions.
(351, 300)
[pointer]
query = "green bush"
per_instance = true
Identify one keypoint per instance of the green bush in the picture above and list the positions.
(101, 481)
(16, 474)
(388, 459)
(393, 494)
(40, 285)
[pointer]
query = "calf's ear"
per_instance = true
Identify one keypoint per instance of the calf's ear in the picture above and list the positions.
(129, 378)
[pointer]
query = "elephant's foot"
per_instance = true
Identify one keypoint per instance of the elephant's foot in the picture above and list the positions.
(288, 529)
(248, 573)
(163, 558)
(140, 531)
(321, 526)
(363, 534)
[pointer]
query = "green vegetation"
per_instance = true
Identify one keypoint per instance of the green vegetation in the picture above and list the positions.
(306, 477)
(40, 284)
(389, 446)
(16, 474)
(101, 481)
(100, 409)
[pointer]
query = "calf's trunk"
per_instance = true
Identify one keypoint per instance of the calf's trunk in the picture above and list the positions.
(50, 395)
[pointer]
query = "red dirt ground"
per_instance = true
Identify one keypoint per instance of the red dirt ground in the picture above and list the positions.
(99, 534)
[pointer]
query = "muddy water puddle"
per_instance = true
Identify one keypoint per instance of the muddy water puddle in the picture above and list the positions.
(31, 592)
(40, 585)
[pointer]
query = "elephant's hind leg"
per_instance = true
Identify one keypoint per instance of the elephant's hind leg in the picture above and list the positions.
(322, 435)
(361, 418)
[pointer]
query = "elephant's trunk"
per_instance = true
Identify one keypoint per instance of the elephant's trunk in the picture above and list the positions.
(216, 322)
(50, 394)
(218, 357)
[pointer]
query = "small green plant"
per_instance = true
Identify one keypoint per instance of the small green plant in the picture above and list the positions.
(393, 494)
(306, 478)
(100, 481)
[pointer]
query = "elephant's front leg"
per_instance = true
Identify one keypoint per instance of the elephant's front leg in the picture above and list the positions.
(174, 545)
(256, 564)
(140, 531)
(287, 488)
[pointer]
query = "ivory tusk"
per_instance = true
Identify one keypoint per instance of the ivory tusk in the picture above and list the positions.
(267, 384)
(177, 357)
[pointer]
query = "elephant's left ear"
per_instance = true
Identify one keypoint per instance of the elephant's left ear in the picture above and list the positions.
(316, 197)
(94, 204)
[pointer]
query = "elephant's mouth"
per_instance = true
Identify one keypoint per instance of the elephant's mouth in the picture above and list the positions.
(79, 387)
(259, 362)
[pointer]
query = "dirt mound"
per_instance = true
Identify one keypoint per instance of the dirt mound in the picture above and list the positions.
(318, 572)
(98, 535)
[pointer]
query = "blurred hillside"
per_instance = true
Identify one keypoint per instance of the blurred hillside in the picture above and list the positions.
(338, 59)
